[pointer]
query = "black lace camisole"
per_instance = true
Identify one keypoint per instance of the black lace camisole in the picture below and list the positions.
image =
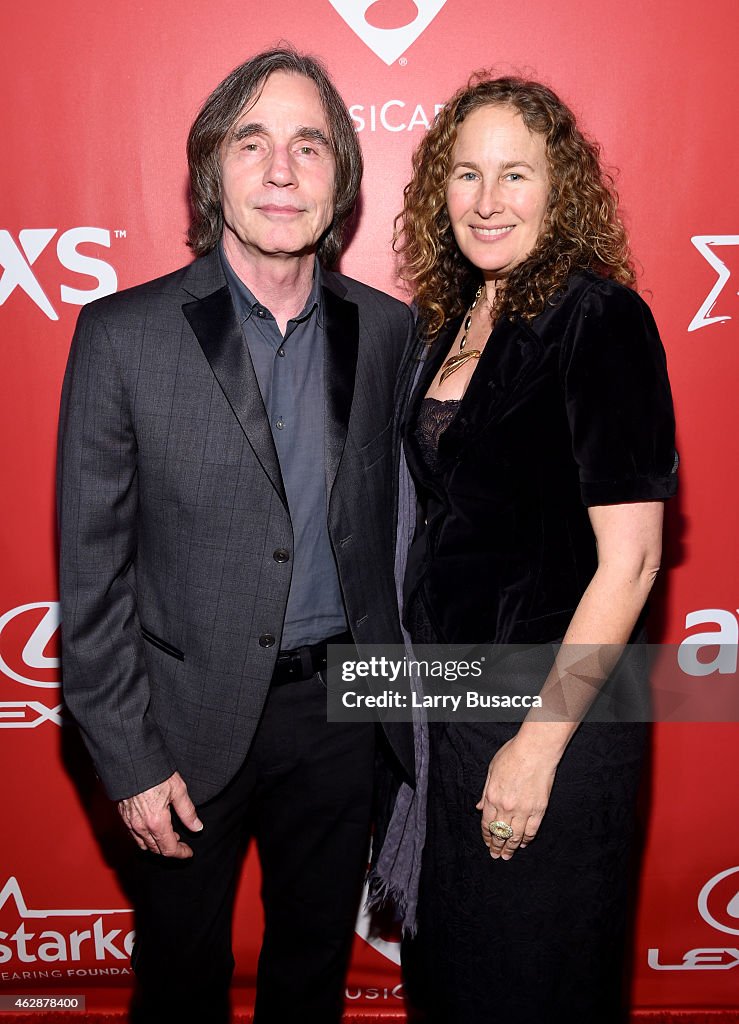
(434, 417)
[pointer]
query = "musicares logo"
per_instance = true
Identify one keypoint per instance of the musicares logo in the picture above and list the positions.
(365, 18)
(389, 948)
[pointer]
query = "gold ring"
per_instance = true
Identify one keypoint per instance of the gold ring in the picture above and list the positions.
(500, 830)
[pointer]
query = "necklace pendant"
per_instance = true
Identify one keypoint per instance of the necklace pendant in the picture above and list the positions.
(453, 363)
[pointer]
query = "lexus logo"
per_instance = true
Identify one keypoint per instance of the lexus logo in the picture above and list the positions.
(705, 245)
(25, 635)
(388, 43)
(718, 901)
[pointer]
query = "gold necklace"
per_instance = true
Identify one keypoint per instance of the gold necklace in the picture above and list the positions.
(453, 363)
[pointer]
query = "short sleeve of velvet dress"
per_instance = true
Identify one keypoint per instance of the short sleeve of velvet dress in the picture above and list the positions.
(618, 399)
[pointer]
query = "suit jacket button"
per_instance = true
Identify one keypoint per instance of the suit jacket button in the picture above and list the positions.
(281, 555)
(267, 640)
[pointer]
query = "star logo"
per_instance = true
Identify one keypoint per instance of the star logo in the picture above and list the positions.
(705, 246)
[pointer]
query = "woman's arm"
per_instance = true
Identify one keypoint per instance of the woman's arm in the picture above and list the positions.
(520, 776)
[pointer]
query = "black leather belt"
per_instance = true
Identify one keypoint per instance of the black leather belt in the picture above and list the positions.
(303, 662)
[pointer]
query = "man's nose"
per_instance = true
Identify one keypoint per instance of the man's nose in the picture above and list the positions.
(280, 169)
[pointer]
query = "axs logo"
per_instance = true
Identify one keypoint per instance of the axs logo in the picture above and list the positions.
(17, 258)
(714, 650)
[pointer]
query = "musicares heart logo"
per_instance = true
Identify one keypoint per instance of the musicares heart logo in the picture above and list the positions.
(376, 22)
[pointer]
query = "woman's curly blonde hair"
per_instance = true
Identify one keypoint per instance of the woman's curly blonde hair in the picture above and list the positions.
(581, 228)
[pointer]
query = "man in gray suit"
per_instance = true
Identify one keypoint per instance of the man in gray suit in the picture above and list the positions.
(225, 496)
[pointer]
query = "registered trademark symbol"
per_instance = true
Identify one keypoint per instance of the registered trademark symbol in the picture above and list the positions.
(120, 232)
(403, 61)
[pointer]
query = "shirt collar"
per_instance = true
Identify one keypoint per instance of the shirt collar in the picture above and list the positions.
(248, 305)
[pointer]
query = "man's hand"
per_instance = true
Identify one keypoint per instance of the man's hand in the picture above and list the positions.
(148, 818)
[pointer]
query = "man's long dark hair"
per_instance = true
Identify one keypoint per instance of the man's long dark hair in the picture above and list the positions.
(222, 110)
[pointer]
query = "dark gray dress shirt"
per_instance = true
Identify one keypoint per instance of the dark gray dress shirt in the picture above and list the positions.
(290, 372)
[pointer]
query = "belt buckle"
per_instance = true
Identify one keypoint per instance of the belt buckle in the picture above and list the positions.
(305, 656)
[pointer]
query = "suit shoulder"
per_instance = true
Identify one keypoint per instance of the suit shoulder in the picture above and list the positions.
(370, 299)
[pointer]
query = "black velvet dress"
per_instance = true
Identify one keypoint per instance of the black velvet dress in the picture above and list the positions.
(571, 410)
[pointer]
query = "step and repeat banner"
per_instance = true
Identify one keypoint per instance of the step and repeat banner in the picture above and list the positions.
(97, 102)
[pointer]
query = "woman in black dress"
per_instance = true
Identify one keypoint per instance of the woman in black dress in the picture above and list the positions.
(540, 437)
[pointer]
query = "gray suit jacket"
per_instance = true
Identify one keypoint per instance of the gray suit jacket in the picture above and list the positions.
(171, 506)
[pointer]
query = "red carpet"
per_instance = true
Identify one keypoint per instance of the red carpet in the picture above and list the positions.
(728, 1016)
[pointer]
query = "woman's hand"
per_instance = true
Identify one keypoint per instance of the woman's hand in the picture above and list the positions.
(516, 792)
(521, 774)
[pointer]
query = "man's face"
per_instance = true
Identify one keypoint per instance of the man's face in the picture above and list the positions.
(278, 172)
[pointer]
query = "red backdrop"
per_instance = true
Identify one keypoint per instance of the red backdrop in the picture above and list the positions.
(97, 101)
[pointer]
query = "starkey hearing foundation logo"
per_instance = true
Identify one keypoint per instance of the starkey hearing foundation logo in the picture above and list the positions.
(706, 244)
(385, 26)
(28, 634)
(32, 951)
(17, 259)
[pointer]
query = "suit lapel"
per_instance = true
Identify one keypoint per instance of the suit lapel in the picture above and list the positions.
(342, 347)
(213, 319)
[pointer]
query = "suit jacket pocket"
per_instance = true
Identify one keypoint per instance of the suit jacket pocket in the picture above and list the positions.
(157, 641)
(377, 447)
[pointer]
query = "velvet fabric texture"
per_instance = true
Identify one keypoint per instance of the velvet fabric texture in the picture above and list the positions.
(569, 410)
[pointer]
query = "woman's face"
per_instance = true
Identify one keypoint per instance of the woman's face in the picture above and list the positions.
(497, 190)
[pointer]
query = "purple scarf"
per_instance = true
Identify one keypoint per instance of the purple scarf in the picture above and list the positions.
(397, 871)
